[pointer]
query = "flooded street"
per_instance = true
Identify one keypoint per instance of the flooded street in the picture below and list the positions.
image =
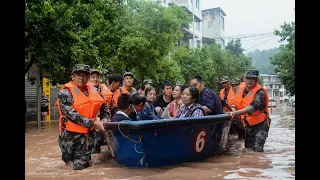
(43, 158)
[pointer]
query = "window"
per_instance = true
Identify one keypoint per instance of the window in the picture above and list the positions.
(281, 94)
(210, 24)
(222, 23)
(165, 1)
(198, 25)
(197, 4)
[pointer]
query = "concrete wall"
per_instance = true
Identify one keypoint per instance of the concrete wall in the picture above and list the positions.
(212, 26)
(207, 25)
(212, 17)
(198, 18)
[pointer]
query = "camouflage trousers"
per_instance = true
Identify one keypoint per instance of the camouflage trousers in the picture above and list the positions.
(256, 135)
(237, 128)
(98, 141)
(76, 148)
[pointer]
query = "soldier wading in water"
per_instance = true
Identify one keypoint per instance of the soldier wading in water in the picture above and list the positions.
(79, 103)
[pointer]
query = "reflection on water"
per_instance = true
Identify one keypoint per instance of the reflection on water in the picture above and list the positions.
(43, 158)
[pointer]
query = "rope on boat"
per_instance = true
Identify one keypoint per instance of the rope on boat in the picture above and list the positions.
(136, 149)
(141, 160)
(136, 142)
(126, 136)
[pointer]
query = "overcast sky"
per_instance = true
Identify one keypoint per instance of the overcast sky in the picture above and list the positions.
(254, 17)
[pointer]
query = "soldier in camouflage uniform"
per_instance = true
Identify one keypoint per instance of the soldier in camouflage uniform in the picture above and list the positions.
(225, 93)
(76, 147)
(236, 126)
(256, 134)
(235, 84)
(99, 138)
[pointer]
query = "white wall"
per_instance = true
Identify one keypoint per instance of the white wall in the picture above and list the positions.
(215, 30)
(207, 29)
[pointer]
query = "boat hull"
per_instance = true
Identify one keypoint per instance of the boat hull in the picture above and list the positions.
(169, 141)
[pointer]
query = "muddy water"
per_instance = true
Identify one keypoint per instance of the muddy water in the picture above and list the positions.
(43, 158)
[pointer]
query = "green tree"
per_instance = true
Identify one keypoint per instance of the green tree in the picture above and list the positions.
(104, 34)
(211, 63)
(194, 62)
(284, 61)
(62, 33)
(238, 60)
(149, 35)
(261, 60)
(235, 47)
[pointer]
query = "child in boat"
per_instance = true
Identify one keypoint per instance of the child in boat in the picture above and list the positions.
(125, 107)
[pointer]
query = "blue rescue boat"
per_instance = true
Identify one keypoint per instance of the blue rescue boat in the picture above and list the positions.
(167, 141)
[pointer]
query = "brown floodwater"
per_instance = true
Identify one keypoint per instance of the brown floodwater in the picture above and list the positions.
(43, 158)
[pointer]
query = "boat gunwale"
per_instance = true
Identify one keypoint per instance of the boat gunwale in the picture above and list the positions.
(128, 125)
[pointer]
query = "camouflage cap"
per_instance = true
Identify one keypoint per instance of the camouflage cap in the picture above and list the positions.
(127, 74)
(147, 81)
(81, 67)
(235, 81)
(252, 73)
(224, 79)
(95, 71)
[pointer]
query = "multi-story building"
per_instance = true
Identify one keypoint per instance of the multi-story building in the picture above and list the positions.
(163, 2)
(213, 29)
(193, 32)
(275, 88)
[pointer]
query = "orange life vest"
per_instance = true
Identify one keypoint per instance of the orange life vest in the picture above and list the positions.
(84, 105)
(242, 84)
(118, 92)
(229, 97)
(106, 93)
(141, 91)
(238, 97)
(232, 98)
(240, 103)
(124, 90)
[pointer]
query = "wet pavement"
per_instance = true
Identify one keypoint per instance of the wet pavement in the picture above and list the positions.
(43, 158)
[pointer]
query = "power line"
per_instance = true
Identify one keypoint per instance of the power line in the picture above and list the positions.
(260, 43)
(259, 38)
(248, 35)
(244, 36)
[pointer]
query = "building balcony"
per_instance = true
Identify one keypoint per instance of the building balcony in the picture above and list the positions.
(188, 33)
(188, 6)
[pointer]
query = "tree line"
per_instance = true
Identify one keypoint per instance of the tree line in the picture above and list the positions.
(140, 37)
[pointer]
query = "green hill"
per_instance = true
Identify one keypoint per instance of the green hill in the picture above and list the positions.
(261, 60)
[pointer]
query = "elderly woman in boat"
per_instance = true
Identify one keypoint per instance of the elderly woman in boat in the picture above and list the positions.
(191, 107)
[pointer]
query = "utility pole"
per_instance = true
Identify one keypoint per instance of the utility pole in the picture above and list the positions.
(38, 98)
